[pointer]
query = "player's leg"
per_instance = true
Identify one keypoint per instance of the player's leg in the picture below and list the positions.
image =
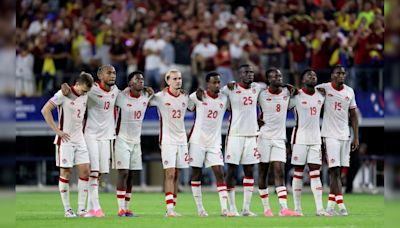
(168, 156)
(344, 162)
(82, 165)
(264, 148)
(233, 151)
(64, 160)
(197, 156)
(135, 165)
(221, 188)
(121, 161)
(128, 194)
(122, 179)
(94, 157)
(299, 157)
(182, 162)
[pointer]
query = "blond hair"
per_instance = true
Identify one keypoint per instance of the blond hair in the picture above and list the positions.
(171, 71)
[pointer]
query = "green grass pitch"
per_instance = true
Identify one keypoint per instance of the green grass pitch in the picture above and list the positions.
(45, 210)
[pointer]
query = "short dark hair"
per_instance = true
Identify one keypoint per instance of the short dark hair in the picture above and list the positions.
(211, 74)
(131, 75)
(337, 67)
(86, 79)
(101, 68)
(270, 70)
(244, 65)
(305, 72)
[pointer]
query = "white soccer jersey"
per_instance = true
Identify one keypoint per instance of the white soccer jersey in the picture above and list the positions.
(307, 111)
(130, 115)
(171, 110)
(335, 123)
(100, 123)
(71, 112)
(206, 130)
(274, 112)
(243, 120)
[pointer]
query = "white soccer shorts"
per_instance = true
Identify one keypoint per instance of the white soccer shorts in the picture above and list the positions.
(99, 154)
(306, 154)
(337, 152)
(209, 156)
(241, 150)
(127, 155)
(69, 155)
(174, 156)
(271, 150)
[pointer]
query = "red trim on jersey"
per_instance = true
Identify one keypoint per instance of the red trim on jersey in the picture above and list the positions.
(194, 123)
(54, 104)
(333, 86)
(229, 128)
(161, 127)
(210, 95)
(307, 92)
(170, 93)
(296, 127)
(74, 91)
(270, 91)
(244, 86)
(61, 124)
(118, 122)
(102, 87)
(58, 151)
(132, 95)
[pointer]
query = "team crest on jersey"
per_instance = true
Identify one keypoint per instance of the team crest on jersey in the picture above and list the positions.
(254, 91)
(285, 98)
(347, 98)
(304, 102)
(204, 103)
(167, 104)
(319, 102)
(183, 104)
(330, 95)
(129, 105)
(165, 162)
(112, 96)
(84, 104)
(238, 91)
(144, 104)
(64, 161)
(228, 157)
(72, 103)
(118, 162)
(99, 96)
(332, 160)
(295, 158)
(221, 105)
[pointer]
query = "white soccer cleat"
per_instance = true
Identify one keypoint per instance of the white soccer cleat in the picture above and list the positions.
(69, 214)
(248, 213)
(84, 214)
(171, 214)
(343, 212)
(299, 212)
(202, 213)
(323, 213)
(332, 212)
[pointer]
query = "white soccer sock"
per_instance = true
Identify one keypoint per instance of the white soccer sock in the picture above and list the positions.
(169, 200)
(196, 191)
(264, 198)
(316, 187)
(94, 190)
(248, 186)
(223, 196)
(232, 200)
(63, 186)
(331, 201)
(83, 184)
(121, 198)
(297, 186)
(282, 196)
(340, 201)
(128, 196)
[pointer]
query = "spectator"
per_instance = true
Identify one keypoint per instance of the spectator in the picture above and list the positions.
(152, 50)
(25, 81)
(297, 57)
(223, 61)
(167, 56)
(118, 57)
(203, 58)
(182, 47)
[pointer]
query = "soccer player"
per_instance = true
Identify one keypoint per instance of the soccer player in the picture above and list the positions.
(339, 104)
(241, 145)
(172, 105)
(132, 105)
(205, 141)
(71, 148)
(271, 144)
(100, 131)
(306, 140)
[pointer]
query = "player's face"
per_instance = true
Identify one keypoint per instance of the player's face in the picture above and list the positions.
(310, 79)
(339, 75)
(247, 74)
(214, 84)
(108, 76)
(82, 89)
(275, 78)
(137, 82)
(175, 80)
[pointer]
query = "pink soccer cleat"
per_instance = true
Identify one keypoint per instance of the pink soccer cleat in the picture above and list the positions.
(268, 213)
(99, 213)
(288, 212)
(121, 213)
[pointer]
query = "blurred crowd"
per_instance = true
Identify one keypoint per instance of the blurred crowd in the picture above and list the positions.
(58, 39)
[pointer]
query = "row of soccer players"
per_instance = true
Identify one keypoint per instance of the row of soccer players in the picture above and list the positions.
(242, 146)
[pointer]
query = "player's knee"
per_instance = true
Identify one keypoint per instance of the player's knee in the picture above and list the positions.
(66, 173)
(85, 172)
(170, 175)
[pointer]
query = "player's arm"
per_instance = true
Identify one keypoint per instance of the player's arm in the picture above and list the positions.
(192, 102)
(293, 90)
(354, 124)
(48, 117)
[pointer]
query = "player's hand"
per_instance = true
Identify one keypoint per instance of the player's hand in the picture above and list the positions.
(355, 144)
(64, 136)
(65, 89)
(322, 91)
(149, 90)
(260, 122)
(231, 85)
(200, 94)
(293, 90)
(126, 90)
